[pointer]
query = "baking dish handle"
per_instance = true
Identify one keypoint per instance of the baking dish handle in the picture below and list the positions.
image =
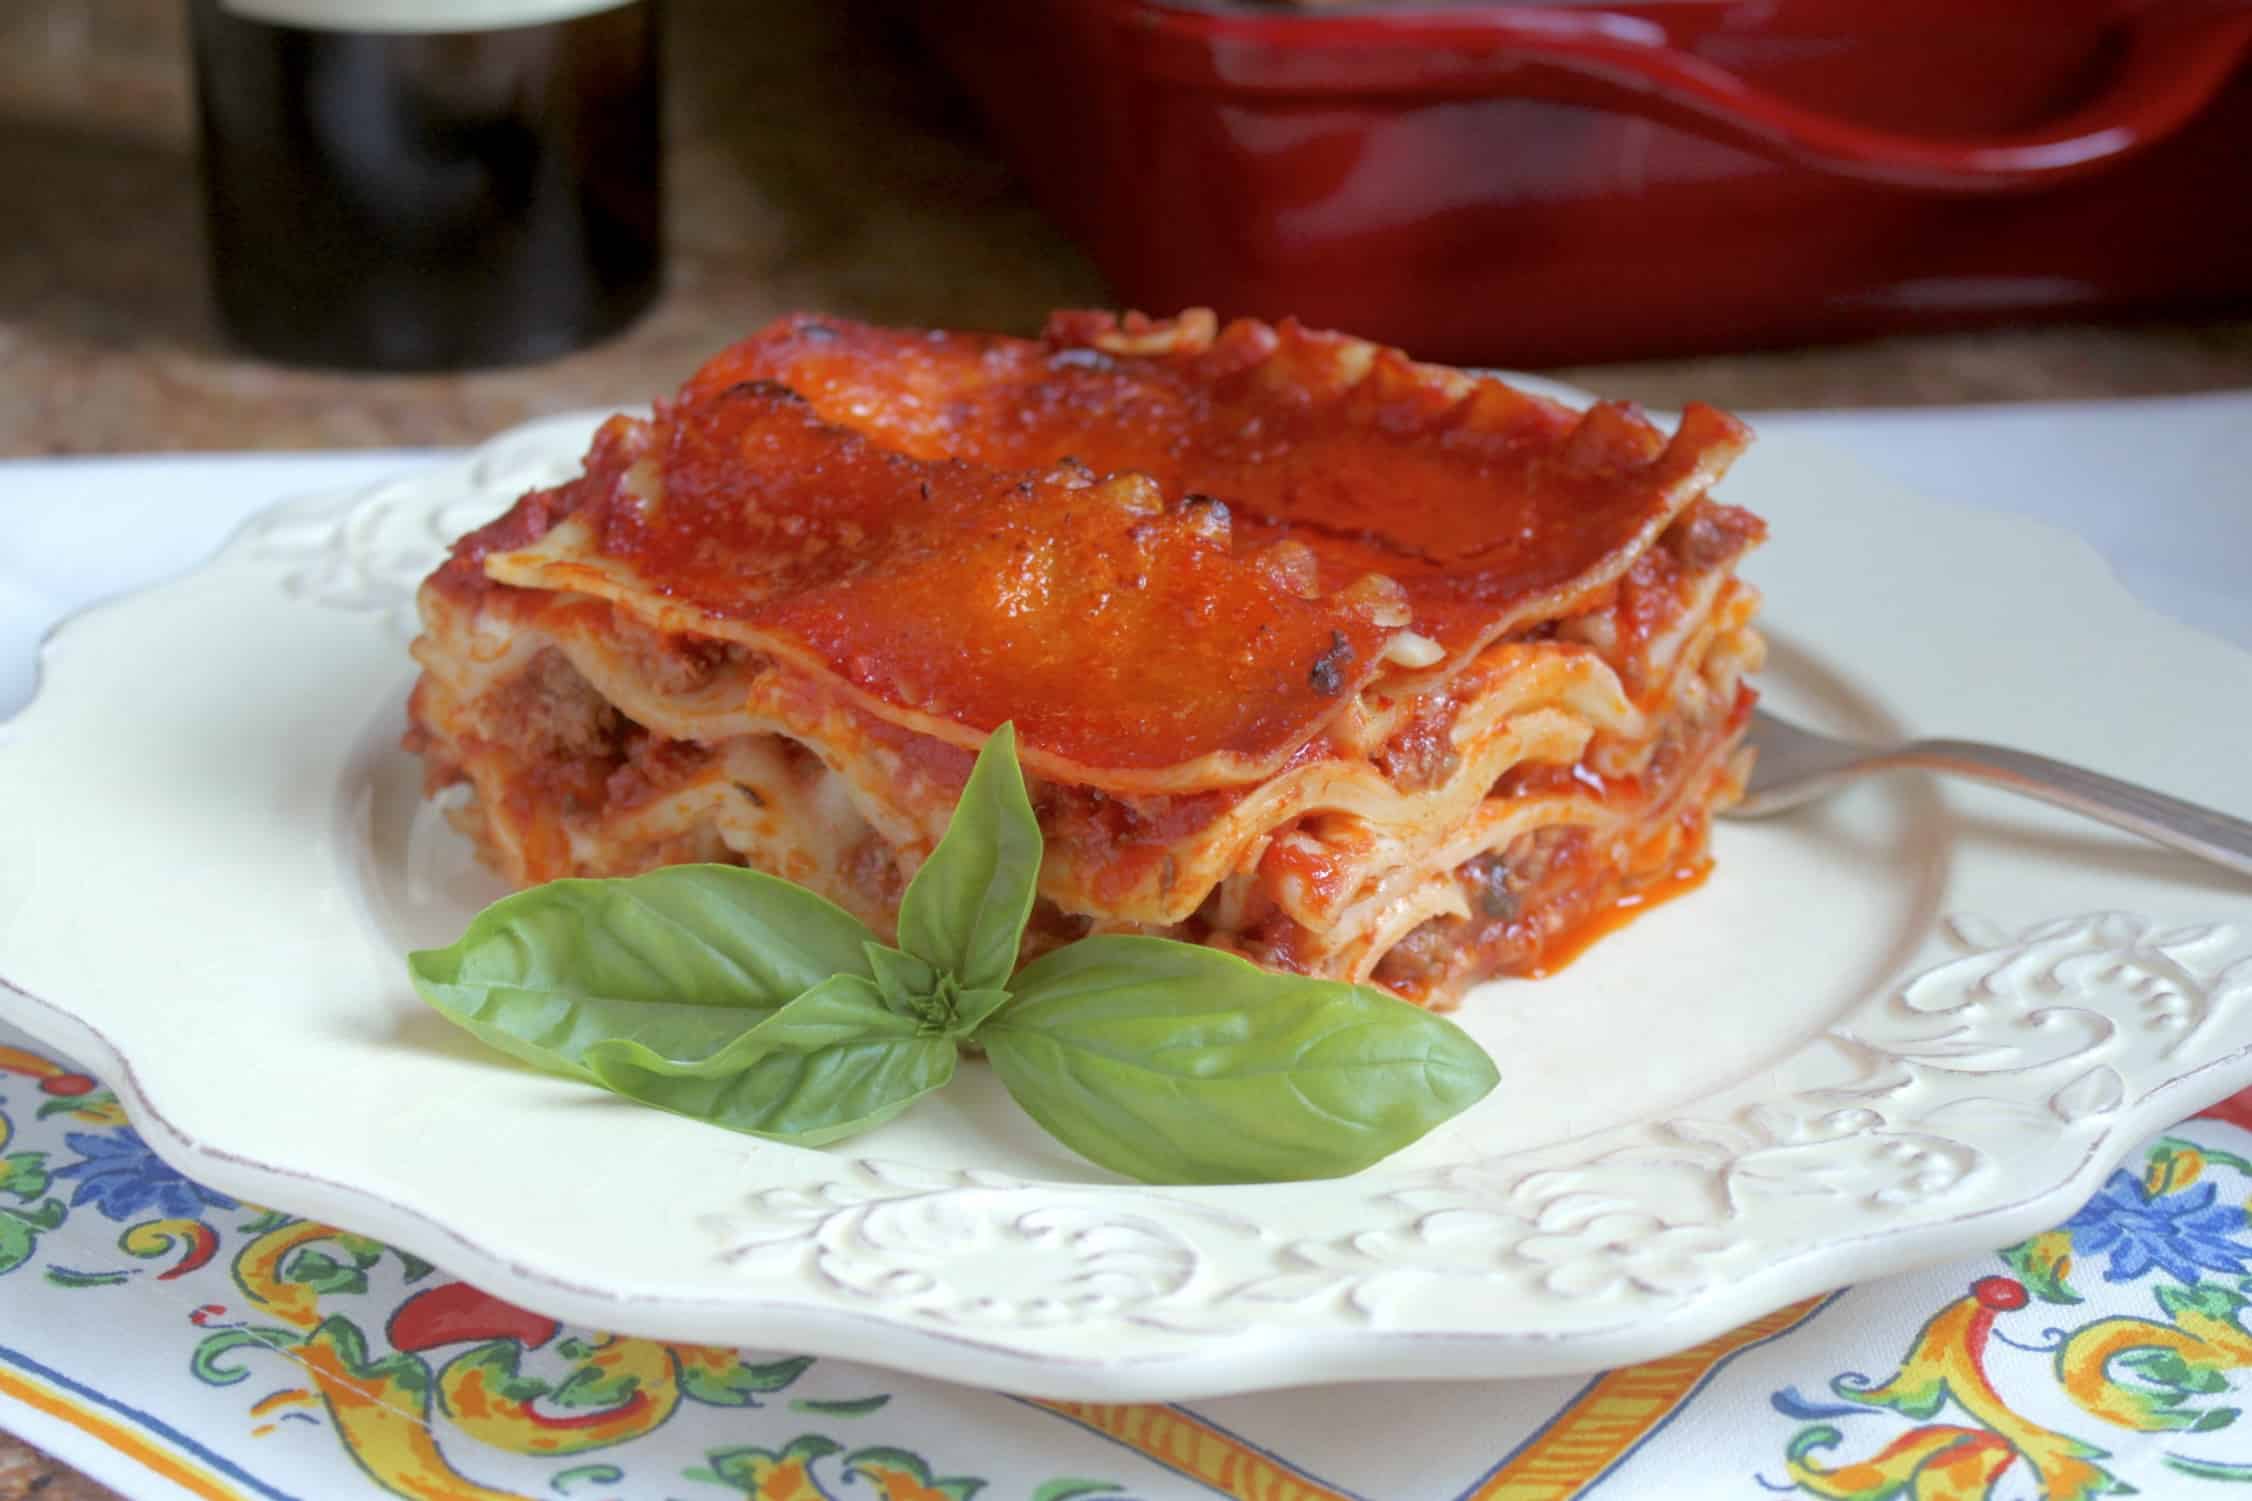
(2176, 58)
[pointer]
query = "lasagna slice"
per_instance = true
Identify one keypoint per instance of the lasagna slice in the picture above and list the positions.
(1358, 667)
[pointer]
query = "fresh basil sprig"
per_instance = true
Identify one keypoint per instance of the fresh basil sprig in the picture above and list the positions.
(749, 1002)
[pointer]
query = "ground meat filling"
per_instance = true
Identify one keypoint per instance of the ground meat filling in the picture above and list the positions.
(570, 737)
(1528, 901)
(1421, 753)
(579, 761)
(1522, 900)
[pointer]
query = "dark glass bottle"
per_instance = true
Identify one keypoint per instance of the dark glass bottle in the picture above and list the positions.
(437, 198)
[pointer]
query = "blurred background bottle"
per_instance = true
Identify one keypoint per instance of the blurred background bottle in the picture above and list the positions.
(428, 184)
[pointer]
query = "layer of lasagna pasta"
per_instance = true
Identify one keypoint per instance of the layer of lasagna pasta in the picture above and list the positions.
(1358, 667)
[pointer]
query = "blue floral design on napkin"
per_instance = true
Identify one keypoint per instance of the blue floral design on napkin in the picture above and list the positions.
(119, 1175)
(2178, 1233)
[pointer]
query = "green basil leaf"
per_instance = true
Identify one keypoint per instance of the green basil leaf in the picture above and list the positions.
(966, 908)
(902, 979)
(681, 959)
(1175, 1063)
(972, 1007)
(833, 1062)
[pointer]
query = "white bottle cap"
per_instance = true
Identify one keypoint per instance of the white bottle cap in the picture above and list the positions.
(414, 15)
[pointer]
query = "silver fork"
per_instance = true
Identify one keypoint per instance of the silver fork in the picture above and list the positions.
(1796, 766)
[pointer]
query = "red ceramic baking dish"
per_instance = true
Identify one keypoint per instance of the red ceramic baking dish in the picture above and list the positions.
(1547, 183)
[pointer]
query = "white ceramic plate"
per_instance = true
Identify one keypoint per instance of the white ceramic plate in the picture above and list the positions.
(1908, 1024)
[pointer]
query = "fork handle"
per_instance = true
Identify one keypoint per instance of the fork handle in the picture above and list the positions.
(2161, 819)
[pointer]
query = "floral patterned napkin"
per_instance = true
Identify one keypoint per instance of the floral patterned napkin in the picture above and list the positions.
(174, 1342)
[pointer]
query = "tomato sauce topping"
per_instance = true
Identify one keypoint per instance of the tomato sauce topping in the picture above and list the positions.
(1478, 499)
(1143, 558)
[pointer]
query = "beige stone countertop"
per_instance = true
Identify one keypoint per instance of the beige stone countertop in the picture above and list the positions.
(813, 163)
